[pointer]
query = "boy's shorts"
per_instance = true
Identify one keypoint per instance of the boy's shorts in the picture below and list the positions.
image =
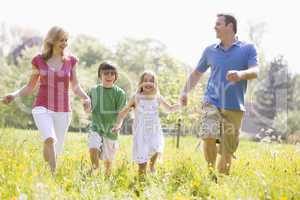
(107, 147)
(223, 125)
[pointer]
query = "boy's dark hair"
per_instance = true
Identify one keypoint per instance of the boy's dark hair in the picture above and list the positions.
(229, 19)
(107, 66)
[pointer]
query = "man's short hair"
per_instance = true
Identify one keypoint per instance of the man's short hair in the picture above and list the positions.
(229, 19)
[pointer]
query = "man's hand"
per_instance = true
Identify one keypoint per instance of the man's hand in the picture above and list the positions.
(234, 76)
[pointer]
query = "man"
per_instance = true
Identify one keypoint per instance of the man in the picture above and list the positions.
(232, 63)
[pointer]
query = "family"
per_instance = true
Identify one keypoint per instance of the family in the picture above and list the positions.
(231, 62)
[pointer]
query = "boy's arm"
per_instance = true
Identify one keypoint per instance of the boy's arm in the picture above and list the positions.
(121, 102)
(167, 106)
(122, 114)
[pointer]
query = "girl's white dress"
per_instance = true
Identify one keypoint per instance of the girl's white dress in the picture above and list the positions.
(147, 132)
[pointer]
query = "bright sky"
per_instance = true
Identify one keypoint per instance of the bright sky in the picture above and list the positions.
(185, 27)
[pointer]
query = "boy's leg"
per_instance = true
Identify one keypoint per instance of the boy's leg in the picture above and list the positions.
(94, 155)
(152, 162)
(94, 143)
(108, 153)
(107, 164)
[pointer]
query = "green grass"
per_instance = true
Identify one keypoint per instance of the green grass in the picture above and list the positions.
(261, 171)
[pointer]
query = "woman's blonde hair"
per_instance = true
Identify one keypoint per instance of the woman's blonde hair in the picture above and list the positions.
(140, 85)
(53, 35)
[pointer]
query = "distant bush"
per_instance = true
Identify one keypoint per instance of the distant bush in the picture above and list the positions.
(287, 123)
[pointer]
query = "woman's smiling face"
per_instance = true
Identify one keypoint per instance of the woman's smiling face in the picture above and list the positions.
(61, 43)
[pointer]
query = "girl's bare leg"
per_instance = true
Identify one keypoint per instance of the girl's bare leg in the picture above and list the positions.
(152, 162)
(142, 169)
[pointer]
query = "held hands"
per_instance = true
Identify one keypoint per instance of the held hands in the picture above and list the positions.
(117, 127)
(8, 98)
(234, 76)
(183, 99)
(87, 105)
(175, 107)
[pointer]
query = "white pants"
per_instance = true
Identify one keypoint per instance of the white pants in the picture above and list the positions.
(52, 125)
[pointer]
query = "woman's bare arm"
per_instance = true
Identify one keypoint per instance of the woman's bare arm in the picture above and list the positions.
(26, 89)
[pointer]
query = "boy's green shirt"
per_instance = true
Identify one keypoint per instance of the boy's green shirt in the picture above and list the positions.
(106, 103)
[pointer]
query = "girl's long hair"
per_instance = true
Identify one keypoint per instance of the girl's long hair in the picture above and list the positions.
(53, 35)
(140, 84)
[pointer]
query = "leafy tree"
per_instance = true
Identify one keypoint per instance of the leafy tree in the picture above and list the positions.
(296, 92)
(12, 37)
(132, 57)
(275, 93)
(90, 51)
(137, 55)
(17, 114)
(256, 33)
(171, 83)
(287, 123)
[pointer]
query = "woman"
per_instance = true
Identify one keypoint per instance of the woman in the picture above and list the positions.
(53, 69)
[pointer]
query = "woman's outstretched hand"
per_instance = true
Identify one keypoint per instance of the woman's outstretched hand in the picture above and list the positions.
(8, 98)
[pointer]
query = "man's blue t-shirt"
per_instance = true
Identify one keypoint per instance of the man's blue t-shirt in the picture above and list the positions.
(221, 92)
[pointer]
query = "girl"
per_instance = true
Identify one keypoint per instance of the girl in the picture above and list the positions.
(148, 142)
(53, 69)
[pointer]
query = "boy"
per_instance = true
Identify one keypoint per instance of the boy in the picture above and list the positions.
(107, 100)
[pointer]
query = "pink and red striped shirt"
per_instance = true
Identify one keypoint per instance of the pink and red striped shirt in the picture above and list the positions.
(53, 92)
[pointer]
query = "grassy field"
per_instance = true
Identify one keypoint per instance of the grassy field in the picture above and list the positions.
(261, 171)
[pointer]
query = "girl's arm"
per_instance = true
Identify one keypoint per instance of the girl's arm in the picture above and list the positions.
(167, 106)
(77, 89)
(122, 114)
(26, 89)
